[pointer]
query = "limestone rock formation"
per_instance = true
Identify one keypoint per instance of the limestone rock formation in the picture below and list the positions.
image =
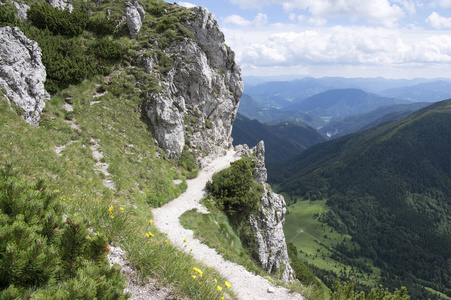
(267, 225)
(134, 14)
(61, 4)
(22, 73)
(22, 9)
(200, 94)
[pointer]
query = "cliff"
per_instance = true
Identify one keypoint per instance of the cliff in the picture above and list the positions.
(267, 224)
(201, 92)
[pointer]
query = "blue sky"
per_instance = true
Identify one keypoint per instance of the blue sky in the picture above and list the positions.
(347, 38)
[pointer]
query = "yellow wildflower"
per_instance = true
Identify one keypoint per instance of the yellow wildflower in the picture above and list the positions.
(166, 241)
(198, 271)
(191, 249)
(109, 209)
(219, 288)
(222, 298)
(150, 222)
(147, 235)
(121, 208)
(167, 233)
(184, 240)
(194, 276)
(112, 217)
(150, 233)
(228, 285)
(216, 280)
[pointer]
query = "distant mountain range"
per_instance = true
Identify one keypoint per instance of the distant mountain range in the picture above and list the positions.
(279, 94)
(341, 102)
(426, 92)
(389, 188)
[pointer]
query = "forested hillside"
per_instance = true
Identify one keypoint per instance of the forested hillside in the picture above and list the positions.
(281, 139)
(389, 188)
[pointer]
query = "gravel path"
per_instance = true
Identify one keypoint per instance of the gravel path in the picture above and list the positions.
(166, 218)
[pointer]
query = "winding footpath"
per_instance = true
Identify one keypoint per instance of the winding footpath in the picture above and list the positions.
(166, 218)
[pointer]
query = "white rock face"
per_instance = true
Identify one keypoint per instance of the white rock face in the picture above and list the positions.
(267, 225)
(134, 15)
(201, 93)
(22, 73)
(22, 9)
(61, 4)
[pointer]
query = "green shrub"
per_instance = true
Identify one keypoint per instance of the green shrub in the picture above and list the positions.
(58, 21)
(8, 15)
(107, 49)
(344, 291)
(102, 26)
(234, 188)
(46, 253)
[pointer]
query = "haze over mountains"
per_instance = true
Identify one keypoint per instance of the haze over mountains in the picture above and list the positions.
(337, 106)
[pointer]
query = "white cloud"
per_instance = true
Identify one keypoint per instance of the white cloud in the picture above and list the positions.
(340, 45)
(408, 5)
(186, 4)
(437, 21)
(442, 3)
(260, 20)
(374, 11)
(237, 20)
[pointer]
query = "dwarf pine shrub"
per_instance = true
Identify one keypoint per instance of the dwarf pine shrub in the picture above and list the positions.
(45, 254)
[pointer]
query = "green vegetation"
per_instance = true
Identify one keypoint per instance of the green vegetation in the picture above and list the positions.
(234, 189)
(282, 139)
(387, 188)
(343, 291)
(214, 230)
(45, 254)
(320, 246)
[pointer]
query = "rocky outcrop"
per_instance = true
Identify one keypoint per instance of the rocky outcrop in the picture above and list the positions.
(22, 73)
(61, 4)
(22, 9)
(267, 224)
(200, 94)
(134, 15)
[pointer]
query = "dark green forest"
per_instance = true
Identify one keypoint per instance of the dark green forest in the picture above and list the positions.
(282, 139)
(390, 189)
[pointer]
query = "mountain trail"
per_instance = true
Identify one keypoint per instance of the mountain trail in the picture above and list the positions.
(166, 218)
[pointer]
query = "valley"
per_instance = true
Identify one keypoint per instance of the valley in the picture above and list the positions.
(371, 203)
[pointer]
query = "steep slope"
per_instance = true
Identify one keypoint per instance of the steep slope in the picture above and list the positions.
(142, 95)
(389, 188)
(281, 139)
(385, 114)
(341, 102)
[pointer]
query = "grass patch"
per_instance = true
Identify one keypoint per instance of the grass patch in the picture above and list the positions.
(143, 176)
(214, 230)
(318, 241)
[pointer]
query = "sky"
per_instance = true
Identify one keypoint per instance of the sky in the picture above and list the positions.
(346, 38)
